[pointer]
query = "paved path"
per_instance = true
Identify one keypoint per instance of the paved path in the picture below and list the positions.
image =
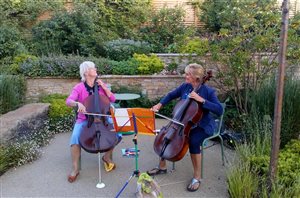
(46, 177)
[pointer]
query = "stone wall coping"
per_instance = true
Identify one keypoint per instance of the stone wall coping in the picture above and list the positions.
(141, 76)
(114, 76)
(10, 121)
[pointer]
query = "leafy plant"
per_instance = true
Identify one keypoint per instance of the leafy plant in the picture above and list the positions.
(11, 42)
(61, 117)
(12, 92)
(24, 12)
(255, 155)
(245, 48)
(242, 181)
(165, 27)
(210, 10)
(60, 65)
(261, 103)
(172, 66)
(119, 18)
(288, 168)
(148, 64)
(195, 46)
(14, 68)
(128, 67)
(123, 49)
(88, 26)
(68, 33)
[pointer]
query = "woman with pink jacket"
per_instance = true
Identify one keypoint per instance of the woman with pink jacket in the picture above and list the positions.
(80, 92)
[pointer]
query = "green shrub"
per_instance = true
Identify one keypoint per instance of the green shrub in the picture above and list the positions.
(68, 66)
(262, 103)
(12, 92)
(90, 24)
(14, 68)
(256, 155)
(117, 19)
(236, 14)
(4, 65)
(172, 66)
(123, 49)
(196, 45)
(69, 33)
(242, 181)
(11, 42)
(23, 13)
(58, 107)
(60, 65)
(165, 27)
(61, 117)
(148, 64)
(288, 164)
(128, 67)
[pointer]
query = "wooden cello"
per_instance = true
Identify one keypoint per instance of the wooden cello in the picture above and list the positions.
(173, 140)
(97, 136)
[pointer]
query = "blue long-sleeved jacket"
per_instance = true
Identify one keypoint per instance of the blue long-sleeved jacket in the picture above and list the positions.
(212, 104)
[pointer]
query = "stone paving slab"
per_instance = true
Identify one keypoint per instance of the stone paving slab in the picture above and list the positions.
(26, 115)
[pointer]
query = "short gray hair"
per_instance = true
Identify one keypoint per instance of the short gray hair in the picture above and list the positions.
(84, 67)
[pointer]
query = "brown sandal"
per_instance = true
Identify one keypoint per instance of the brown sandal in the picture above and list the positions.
(156, 171)
(72, 178)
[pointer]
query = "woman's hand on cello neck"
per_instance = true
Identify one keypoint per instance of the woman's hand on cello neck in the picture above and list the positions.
(104, 87)
(100, 83)
(196, 97)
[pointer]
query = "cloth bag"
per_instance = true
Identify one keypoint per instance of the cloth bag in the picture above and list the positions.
(147, 187)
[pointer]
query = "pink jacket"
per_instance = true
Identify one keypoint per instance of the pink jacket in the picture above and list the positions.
(79, 94)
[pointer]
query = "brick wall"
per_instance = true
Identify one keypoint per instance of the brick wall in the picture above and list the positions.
(152, 86)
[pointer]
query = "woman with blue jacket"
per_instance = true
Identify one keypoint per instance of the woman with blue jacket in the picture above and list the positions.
(194, 74)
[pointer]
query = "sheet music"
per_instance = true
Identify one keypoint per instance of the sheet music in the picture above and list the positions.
(122, 117)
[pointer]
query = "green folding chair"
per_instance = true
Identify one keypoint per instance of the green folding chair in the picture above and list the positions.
(219, 121)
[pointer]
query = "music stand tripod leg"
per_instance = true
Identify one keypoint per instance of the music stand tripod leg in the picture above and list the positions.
(136, 172)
